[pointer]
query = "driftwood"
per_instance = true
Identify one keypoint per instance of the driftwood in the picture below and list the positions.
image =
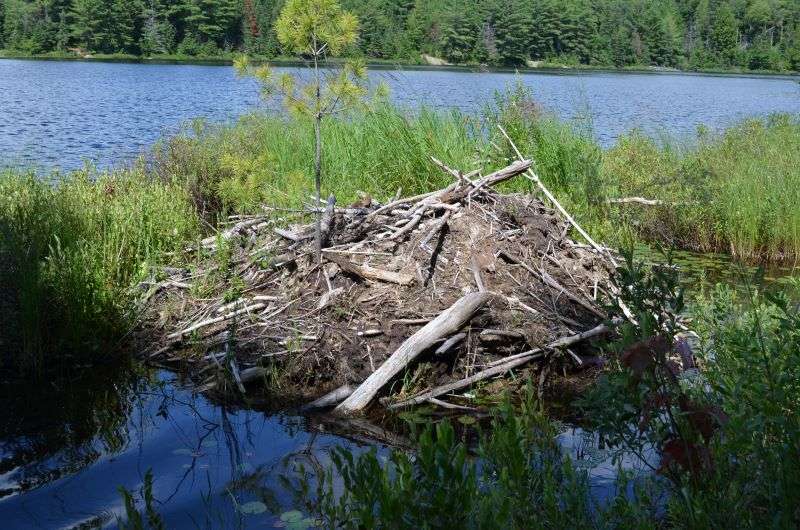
(637, 200)
(503, 366)
(331, 399)
(237, 229)
(445, 324)
(369, 273)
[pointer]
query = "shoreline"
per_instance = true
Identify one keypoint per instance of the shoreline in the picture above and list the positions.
(404, 65)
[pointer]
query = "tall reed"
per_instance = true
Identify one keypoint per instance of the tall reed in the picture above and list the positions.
(71, 251)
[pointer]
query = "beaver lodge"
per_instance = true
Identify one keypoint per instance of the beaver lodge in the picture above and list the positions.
(410, 301)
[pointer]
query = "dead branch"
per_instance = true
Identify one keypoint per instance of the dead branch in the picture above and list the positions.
(445, 324)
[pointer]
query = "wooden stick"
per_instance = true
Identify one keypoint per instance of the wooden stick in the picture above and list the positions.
(211, 241)
(436, 228)
(370, 273)
(550, 281)
(476, 272)
(444, 325)
(412, 224)
(450, 343)
(536, 180)
(503, 366)
(451, 406)
(291, 236)
(217, 320)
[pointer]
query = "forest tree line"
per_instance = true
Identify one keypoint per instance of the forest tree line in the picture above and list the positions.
(752, 34)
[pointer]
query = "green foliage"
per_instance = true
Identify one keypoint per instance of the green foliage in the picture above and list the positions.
(750, 351)
(306, 25)
(725, 436)
(520, 479)
(758, 34)
(70, 252)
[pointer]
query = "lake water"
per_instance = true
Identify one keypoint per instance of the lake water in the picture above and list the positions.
(61, 113)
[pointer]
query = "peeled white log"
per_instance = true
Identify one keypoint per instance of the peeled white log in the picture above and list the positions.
(446, 324)
(331, 399)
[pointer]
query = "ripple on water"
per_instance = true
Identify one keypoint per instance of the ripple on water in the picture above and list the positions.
(118, 100)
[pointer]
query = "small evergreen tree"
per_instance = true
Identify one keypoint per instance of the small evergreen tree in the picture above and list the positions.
(317, 30)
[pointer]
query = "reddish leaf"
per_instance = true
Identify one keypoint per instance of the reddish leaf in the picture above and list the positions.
(691, 457)
(705, 419)
(641, 356)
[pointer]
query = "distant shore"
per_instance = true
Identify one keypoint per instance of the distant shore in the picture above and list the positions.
(544, 67)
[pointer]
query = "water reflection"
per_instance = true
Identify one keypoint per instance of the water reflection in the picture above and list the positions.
(64, 458)
(54, 428)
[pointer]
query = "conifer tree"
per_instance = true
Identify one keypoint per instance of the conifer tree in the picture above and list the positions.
(316, 29)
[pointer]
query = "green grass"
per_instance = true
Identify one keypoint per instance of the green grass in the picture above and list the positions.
(70, 253)
(738, 191)
(268, 159)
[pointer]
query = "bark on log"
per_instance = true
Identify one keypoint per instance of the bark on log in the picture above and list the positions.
(442, 326)
(326, 224)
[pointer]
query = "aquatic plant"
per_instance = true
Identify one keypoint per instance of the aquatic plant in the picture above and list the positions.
(517, 477)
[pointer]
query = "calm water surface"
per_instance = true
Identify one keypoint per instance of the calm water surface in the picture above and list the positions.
(60, 114)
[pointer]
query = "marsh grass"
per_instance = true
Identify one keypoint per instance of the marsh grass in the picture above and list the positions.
(516, 477)
(72, 251)
(737, 191)
(268, 158)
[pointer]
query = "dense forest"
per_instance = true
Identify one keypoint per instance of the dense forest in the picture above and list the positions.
(753, 34)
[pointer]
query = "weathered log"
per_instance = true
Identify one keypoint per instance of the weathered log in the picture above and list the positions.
(291, 236)
(211, 242)
(637, 200)
(331, 399)
(502, 366)
(369, 273)
(442, 326)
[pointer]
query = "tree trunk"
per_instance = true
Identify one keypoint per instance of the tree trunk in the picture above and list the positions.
(318, 151)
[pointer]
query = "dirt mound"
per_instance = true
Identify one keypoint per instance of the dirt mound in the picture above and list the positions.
(436, 291)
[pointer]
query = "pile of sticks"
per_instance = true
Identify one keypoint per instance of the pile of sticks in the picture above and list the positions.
(451, 288)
